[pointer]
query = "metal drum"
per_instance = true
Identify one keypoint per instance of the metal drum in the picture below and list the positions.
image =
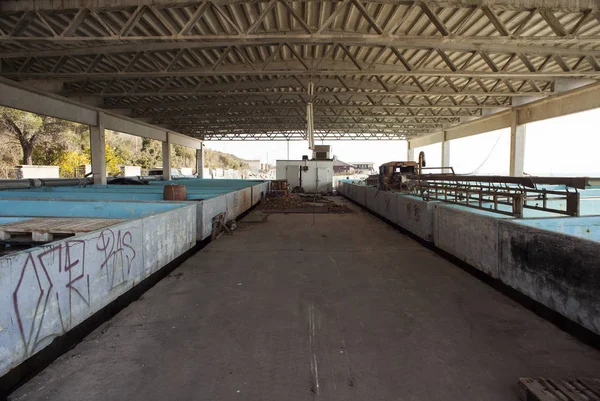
(174, 192)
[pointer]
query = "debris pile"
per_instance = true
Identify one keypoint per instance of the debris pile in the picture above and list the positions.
(299, 203)
(287, 201)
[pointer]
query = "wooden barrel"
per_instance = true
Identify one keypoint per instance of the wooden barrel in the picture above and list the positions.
(174, 192)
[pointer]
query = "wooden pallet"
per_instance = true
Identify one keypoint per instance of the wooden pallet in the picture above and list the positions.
(559, 389)
(43, 229)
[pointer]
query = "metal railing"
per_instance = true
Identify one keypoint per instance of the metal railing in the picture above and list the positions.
(507, 197)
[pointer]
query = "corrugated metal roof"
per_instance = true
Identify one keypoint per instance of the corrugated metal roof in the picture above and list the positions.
(240, 70)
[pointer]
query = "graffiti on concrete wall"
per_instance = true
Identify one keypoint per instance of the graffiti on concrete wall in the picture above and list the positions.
(53, 281)
(118, 256)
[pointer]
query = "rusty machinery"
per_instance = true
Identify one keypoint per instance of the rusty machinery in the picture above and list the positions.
(396, 175)
(500, 194)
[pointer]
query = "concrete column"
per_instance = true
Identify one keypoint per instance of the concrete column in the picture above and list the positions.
(445, 155)
(200, 161)
(98, 150)
(517, 146)
(410, 153)
(166, 156)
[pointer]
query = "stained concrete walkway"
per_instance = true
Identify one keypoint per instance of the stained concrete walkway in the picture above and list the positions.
(324, 307)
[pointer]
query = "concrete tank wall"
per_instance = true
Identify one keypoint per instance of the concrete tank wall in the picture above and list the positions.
(558, 270)
(370, 198)
(387, 206)
(415, 215)
(360, 194)
(470, 235)
(553, 261)
(48, 290)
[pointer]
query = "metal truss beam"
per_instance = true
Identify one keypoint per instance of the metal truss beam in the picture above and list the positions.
(190, 105)
(534, 45)
(331, 71)
(53, 5)
(318, 94)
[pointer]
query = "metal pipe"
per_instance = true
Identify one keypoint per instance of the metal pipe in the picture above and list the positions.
(43, 182)
(16, 184)
(65, 182)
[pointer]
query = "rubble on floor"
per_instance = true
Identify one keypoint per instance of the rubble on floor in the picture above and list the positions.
(302, 203)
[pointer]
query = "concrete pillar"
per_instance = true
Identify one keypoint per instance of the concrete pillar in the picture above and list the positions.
(517, 146)
(166, 156)
(445, 155)
(410, 153)
(200, 161)
(98, 150)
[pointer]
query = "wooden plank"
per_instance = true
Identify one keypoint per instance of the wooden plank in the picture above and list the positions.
(53, 225)
(543, 389)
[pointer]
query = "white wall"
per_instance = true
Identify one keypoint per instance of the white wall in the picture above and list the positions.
(309, 178)
(37, 172)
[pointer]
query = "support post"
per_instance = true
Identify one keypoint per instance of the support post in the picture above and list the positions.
(200, 161)
(517, 146)
(98, 150)
(445, 154)
(410, 153)
(166, 156)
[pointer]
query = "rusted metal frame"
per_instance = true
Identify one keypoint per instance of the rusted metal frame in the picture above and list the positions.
(466, 204)
(515, 197)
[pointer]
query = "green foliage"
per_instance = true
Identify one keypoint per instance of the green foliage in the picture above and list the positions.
(215, 159)
(150, 154)
(70, 162)
(182, 156)
(30, 131)
(41, 140)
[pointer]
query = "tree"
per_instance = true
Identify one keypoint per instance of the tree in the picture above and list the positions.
(70, 162)
(150, 155)
(30, 130)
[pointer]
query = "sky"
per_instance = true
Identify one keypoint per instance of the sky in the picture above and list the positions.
(377, 152)
(567, 145)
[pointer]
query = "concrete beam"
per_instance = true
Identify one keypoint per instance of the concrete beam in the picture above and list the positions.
(35, 101)
(574, 101)
(19, 96)
(184, 140)
(132, 127)
(566, 84)
(426, 140)
(98, 149)
(46, 85)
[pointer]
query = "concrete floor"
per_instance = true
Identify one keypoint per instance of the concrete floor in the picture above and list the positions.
(303, 307)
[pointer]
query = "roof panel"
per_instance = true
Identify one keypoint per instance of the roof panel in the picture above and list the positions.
(211, 60)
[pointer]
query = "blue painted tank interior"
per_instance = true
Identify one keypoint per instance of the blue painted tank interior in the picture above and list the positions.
(108, 201)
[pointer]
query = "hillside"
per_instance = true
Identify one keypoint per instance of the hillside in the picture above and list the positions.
(216, 159)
